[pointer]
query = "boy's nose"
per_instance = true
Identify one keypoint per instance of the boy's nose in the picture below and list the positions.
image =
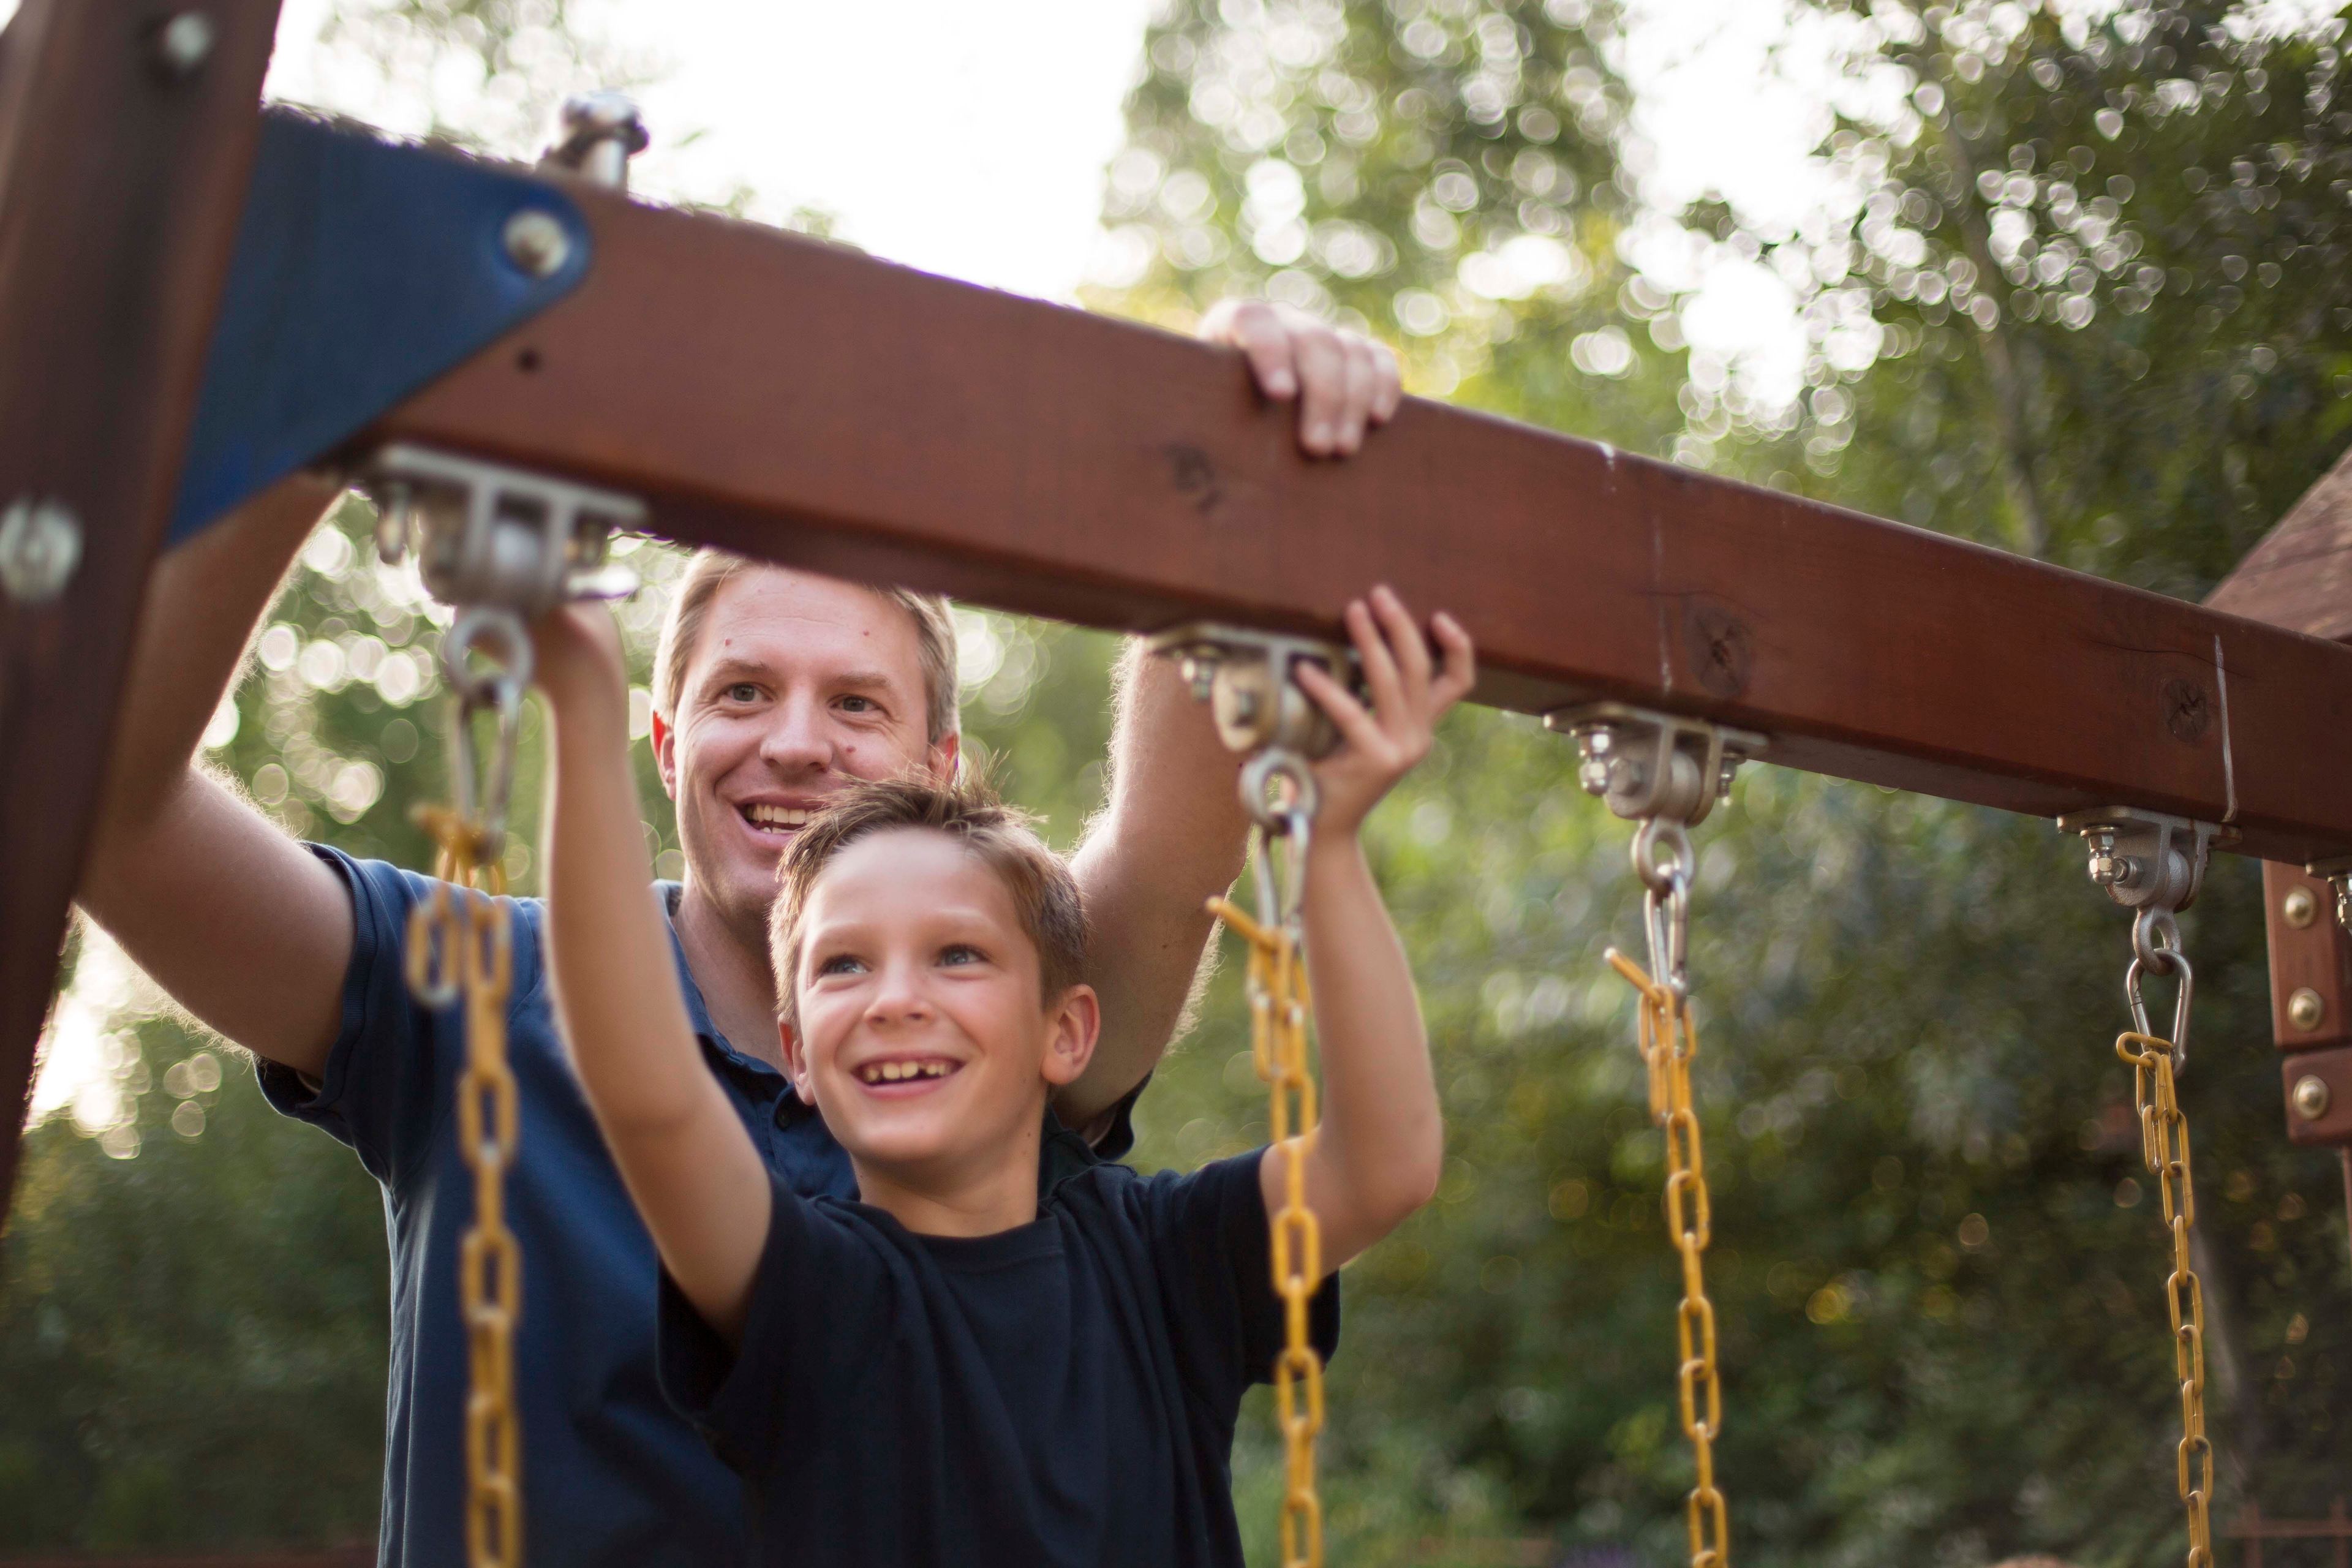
(900, 997)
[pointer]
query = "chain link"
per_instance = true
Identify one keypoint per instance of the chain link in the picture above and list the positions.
(1279, 1007)
(2155, 1064)
(1669, 1044)
(460, 948)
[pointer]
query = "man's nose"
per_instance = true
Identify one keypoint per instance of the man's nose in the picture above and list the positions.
(797, 740)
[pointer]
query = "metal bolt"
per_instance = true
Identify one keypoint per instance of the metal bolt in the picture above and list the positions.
(40, 545)
(2310, 1097)
(536, 242)
(184, 42)
(2298, 909)
(2304, 1009)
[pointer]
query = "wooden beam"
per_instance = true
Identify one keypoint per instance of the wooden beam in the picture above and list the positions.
(122, 170)
(803, 403)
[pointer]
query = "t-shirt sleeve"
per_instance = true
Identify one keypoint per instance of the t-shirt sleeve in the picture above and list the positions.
(390, 1075)
(821, 1293)
(1223, 1310)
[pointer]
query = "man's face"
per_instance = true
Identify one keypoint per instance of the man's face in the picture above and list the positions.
(797, 685)
(922, 1037)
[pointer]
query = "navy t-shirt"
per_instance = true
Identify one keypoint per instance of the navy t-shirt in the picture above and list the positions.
(1062, 1393)
(612, 1476)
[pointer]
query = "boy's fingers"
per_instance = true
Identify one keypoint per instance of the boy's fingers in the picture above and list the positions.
(1461, 657)
(1357, 726)
(1379, 668)
(1404, 639)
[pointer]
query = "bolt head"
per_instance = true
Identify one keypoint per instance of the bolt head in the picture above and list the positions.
(40, 545)
(2306, 1009)
(535, 241)
(184, 42)
(2298, 909)
(2310, 1097)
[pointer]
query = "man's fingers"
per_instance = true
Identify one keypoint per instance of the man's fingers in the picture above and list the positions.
(1387, 383)
(1323, 383)
(1256, 328)
(1363, 381)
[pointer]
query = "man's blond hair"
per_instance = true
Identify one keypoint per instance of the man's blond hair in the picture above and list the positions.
(711, 570)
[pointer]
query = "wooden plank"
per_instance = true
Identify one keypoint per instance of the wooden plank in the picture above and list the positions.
(2300, 576)
(121, 182)
(803, 403)
(2311, 960)
(2331, 1066)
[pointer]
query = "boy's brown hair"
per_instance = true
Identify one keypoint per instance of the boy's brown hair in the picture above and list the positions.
(1045, 896)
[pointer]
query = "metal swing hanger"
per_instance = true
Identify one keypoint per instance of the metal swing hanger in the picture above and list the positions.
(2152, 864)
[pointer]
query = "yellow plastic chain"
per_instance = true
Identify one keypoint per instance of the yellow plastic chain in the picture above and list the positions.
(1669, 1042)
(461, 944)
(1279, 1006)
(2164, 1143)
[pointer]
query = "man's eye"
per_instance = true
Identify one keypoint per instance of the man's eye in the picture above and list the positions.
(742, 692)
(860, 705)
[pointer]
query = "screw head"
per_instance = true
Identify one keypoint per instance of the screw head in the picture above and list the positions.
(535, 241)
(2310, 1097)
(2298, 909)
(184, 42)
(40, 545)
(2304, 1009)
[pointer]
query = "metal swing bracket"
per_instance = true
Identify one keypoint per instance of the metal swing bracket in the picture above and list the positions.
(2147, 859)
(483, 534)
(1244, 675)
(1648, 766)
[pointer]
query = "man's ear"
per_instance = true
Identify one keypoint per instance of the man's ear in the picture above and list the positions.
(796, 1063)
(1073, 1025)
(665, 753)
(943, 755)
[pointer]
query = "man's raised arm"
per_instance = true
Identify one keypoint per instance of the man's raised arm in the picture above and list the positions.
(1173, 832)
(241, 925)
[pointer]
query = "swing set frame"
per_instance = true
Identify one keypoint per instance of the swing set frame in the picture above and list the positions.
(798, 402)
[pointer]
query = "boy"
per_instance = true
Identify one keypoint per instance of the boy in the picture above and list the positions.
(988, 1376)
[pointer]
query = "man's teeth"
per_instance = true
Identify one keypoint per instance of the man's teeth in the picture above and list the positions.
(895, 1072)
(776, 816)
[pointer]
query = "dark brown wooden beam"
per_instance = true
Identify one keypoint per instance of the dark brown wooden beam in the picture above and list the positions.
(803, 403)
(122, 171)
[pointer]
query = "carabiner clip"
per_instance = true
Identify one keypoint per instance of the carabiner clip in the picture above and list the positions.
(2179, 1037)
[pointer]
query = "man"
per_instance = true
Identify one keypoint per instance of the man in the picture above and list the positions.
(779, 689)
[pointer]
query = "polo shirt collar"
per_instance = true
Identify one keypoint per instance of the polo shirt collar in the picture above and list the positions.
(697, 1012)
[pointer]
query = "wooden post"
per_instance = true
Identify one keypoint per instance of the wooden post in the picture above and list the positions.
(125, 136)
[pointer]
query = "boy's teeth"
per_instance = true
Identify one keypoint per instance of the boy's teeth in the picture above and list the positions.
(898, 1072)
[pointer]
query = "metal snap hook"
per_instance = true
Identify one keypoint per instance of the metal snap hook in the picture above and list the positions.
(2178, 963)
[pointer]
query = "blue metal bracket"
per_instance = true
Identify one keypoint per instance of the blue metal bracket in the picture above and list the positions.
(363, 270)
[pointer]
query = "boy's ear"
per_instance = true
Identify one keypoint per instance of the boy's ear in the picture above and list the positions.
(1073, 1025)
(796, 1063)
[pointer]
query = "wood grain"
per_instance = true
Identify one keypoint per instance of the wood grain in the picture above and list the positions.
(119, 190)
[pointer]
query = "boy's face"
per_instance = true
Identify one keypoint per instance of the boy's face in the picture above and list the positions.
(922, 1037)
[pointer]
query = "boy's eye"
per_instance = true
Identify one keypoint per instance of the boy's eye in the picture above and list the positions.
(839, 963)
(961, 952)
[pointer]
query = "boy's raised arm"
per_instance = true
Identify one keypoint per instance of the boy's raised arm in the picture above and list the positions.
(690, 1167)
(1380, 1148)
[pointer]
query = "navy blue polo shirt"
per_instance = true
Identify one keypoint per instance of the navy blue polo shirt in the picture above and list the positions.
(612, 1475)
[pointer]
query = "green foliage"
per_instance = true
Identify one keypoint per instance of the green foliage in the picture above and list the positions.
(1936, 1264)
